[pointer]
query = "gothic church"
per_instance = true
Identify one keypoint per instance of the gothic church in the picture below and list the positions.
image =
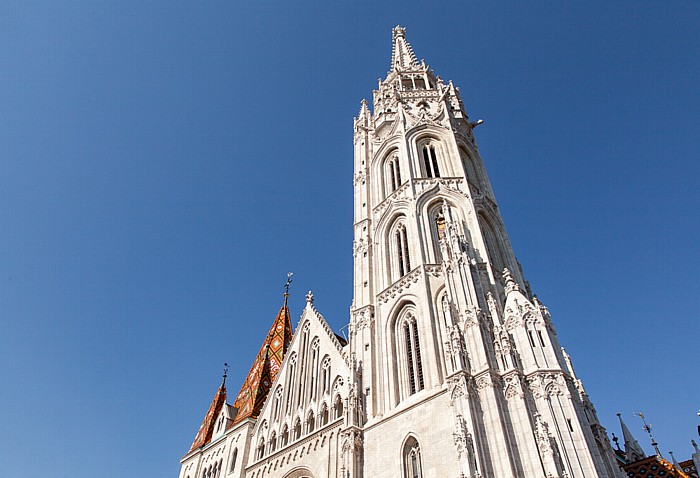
(453, 367)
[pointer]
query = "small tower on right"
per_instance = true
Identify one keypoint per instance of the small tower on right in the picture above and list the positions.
(458, 362)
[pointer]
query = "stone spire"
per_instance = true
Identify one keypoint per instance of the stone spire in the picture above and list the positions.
(206, 430)
(633, 452)
(402, 56)
(257, 384)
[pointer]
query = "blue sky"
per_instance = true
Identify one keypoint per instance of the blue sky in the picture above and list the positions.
(163, 165)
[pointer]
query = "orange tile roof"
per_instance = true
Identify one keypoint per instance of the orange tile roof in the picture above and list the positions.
(206, 430)
(257, 384)
(653, 467)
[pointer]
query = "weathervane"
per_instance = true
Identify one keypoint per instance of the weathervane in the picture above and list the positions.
(286, 287)
(647, 428)
(225, 374)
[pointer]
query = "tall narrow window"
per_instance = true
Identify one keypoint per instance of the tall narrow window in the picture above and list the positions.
(260, 452)
(290, 382)
(409, 358)
(310, 423)
(430, 161)
(416, 352)
(338, 407)
(276, 405)
(297, 429)
(234, 455)
(314, 369)
(285, 436)
(394, 173)
(323, 416)
(403, 258)
(272, 444)
(326, 375)
(414, 363)
(412, 465)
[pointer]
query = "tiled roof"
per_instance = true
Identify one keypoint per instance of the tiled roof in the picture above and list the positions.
(206, 430)
(688, 466)
(257, 384)
(653, 467)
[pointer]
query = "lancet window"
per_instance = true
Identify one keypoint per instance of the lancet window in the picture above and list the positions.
(411, 346)
(290, 382)
(338, 407)
(326, 375)
(310, 423)
(493, 245)
(412, 466)
(323, 415)
(234, 455)
(297, 429)
(430, 161)
(314, 369)
(403, 259)
(393, 173)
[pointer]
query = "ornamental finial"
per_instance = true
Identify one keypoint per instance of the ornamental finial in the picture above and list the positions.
(398, 31)
(509, 282)
(310, 298)
(286, 287)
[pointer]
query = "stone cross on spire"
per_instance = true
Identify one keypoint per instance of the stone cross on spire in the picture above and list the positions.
(402, 56)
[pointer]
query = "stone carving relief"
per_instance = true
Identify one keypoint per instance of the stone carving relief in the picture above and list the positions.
(399, 286)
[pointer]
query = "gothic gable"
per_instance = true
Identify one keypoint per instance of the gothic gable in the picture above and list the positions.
(309, 391)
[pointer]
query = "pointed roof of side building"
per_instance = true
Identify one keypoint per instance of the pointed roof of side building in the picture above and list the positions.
(257, 384)
(207, 429)
(402, 56)
(633, 452)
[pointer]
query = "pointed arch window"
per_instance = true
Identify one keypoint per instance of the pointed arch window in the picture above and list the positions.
(310, 423)
(297, 429)
(284, 438)
(338, 407)
(234, 455)
(272, 444)
(260, 451)
(494, 250)
(326, 378)
(276, 405)
(393, 173)
(414, 363)
(430, 161)
(403, 258)
(412, 465)
(290, 380)
(323, 415)
(314, 369)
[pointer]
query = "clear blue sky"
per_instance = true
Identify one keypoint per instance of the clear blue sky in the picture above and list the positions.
(163, 165)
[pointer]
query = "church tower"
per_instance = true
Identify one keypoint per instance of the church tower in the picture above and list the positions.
(452, 368)
(458, 365)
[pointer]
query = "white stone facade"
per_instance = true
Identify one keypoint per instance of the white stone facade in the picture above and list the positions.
(453, 368)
